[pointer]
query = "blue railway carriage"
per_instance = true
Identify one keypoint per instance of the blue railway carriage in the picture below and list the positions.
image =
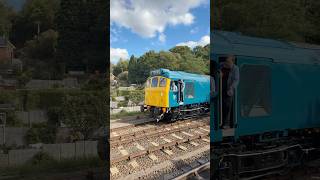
(276, 113)
(176, 95)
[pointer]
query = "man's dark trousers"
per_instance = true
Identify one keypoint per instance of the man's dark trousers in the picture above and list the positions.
(226, 110)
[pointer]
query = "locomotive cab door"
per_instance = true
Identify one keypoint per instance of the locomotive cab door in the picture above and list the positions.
(174, 88)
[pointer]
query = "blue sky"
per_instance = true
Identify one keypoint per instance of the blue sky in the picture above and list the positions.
(138, 26)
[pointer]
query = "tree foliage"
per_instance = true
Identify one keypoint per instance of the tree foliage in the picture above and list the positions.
(295, 20)
(42, 47)
(82, 27)
(85, 112)
(6, 15)
(33, 13)
(41, 133)
(120, 67)
(180, 58)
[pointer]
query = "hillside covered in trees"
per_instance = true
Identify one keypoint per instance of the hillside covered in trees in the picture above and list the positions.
(294, 20)
(53, 36)
(180, 58)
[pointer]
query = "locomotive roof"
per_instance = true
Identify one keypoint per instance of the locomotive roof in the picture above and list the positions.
(179, 75)
(280, 51)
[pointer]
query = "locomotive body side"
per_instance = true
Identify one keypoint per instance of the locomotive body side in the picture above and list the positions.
(276, 113)
(165, 102)
(278, 90)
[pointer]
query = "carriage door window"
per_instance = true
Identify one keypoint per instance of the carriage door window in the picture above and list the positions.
(189, 90)
(154, 82)
(255, 89)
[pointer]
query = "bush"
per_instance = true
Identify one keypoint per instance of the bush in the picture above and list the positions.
(123, 104)
(136, 96)
(41, 133)
(40, 158)
(54, 114)
(95, 84)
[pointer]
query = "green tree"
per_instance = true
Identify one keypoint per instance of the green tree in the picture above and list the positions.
(34, 14)
(132, 66)
(120, 67)
(82, 31)
(202, 52)
(294, 20)
(23, 78)
(85, 112)
(180, 58)
(6, 15)
(123, 78)
(312, 16)
(42, 47)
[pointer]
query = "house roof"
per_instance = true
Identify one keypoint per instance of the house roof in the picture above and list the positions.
(279, 51)
(4, 43)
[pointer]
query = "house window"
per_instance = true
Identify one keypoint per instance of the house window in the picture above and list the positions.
(189, 90)
(255, 91)
(154, 82)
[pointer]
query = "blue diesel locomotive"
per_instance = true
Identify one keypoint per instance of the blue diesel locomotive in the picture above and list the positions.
(176, 95)
(276, 113)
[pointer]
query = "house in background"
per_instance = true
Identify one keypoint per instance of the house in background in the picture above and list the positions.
(6, 51)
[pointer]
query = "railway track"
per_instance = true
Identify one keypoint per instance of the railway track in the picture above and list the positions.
(140, 122)
(167, 167)
(201, 172)
(156, 138)
(133, 150)
(118, 138)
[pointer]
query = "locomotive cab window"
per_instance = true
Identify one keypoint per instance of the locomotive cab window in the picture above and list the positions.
(154, 82)
(163, 82)
(255, 91)
(189, 90)
(148, 83)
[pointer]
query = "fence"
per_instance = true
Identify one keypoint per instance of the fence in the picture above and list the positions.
(30, 117)
(45, 84)
(77, 150)
(13, 135)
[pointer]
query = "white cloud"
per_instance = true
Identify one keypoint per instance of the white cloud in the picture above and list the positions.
(117, 53)
(113, 34)
(202, 42)
(162, 38)
(149, 18)
(194, 30)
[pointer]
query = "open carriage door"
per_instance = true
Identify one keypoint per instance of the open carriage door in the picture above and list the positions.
(222, 98)
(217, 102)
